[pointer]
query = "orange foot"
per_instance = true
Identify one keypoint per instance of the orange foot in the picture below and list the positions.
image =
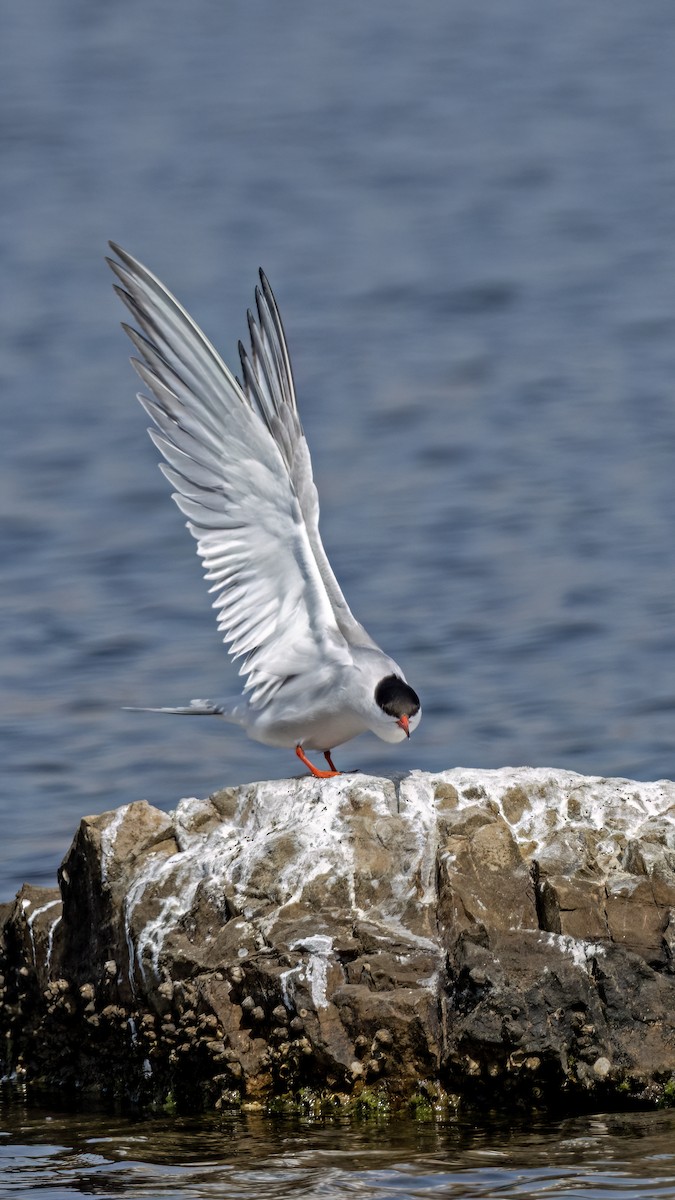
(315, 770)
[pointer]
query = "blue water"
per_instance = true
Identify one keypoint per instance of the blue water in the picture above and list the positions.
(468, 214)
(469, 219)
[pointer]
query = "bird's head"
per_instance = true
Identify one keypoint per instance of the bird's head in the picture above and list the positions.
(398, 708)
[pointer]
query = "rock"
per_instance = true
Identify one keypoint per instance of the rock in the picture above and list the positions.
(486, 933)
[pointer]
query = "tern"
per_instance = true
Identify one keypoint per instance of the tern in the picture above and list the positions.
(237, 456)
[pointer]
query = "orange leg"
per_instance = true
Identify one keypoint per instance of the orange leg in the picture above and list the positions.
(330, 762)
(315, 770)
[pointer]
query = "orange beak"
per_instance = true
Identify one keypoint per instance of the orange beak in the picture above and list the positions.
(403, 722)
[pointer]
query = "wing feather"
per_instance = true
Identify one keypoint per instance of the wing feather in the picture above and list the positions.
(269, 387)
(233, 482)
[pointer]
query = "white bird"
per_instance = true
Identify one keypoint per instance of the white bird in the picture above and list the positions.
(239, 461)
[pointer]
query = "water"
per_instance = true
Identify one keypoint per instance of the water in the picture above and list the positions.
(469, 222)
(468, 214)
(623, 1156)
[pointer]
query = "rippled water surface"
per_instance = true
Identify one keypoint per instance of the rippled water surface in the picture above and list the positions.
(622, 1157)
(469, 219)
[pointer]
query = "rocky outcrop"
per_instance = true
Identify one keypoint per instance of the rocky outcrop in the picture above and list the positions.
(478, 934)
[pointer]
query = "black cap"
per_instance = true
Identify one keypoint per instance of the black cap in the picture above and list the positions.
(396, 697)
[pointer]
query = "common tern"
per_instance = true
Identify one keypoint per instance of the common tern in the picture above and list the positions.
(237, 456)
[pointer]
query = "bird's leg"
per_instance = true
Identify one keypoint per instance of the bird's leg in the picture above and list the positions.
(315, 770)
(330, 762)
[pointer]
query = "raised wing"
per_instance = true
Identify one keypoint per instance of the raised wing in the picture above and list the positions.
(234, 483)
(268, 384)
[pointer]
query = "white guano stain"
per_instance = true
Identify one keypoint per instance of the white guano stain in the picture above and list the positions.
(563, 804)
(581, 951)
(314, 972)
(313, 823)
(50, 943)
(30, 921)
(108, 839)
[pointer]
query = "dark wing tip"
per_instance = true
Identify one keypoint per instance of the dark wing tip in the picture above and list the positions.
(128, 263)
(116, 266)
(266, 287)
(124, 255)
(121, 292)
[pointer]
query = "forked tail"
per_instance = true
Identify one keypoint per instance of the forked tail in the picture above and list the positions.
(196, 708)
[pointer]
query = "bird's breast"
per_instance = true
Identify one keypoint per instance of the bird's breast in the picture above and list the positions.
(314, 731)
